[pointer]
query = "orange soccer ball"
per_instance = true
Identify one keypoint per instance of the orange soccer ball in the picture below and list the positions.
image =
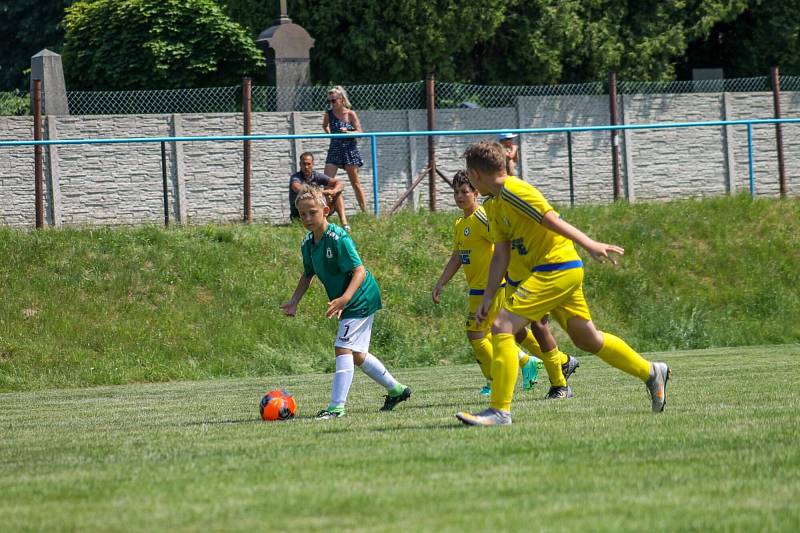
(277, 405)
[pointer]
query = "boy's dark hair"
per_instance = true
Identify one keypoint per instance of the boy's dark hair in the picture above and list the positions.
(460, 178)
(486, 157)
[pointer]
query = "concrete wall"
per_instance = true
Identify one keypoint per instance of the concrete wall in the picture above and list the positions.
(122, 183)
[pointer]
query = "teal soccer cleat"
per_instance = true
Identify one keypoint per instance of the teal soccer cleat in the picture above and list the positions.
(530, 372)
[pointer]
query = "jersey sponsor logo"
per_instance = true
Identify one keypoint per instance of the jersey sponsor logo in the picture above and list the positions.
(519, 246)
(464, 255)
(328, 253)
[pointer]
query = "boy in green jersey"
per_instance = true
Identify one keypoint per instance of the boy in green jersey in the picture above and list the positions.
(330, 254)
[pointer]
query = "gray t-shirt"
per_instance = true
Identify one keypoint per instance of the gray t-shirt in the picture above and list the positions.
(316, 178)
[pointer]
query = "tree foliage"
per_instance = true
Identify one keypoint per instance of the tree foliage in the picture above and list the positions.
(511, 41)
(26, 28)
(138, 44)
(364, 41)
(551, 41)
(150, 44)
(766, 34)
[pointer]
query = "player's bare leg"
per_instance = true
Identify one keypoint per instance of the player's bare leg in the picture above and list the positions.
(618, 354)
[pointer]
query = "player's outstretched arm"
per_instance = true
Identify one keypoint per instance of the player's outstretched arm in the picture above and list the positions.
(290, 308)
(598, 250)
(450, 270)
(337, 305)
(497, 271)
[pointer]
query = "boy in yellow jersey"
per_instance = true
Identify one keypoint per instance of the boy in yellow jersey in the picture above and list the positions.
(530, 235)
(472, 248)
(559, 365)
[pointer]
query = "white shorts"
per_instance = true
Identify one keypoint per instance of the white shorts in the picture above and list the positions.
(354, 334)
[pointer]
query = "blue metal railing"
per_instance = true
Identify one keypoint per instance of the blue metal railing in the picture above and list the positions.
(373, 137)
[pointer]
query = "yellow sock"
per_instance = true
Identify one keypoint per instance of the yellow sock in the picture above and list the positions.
(483, 353)
(552, 363)
(530, 344)
(618, 354)
(523, 358)
(504, 370)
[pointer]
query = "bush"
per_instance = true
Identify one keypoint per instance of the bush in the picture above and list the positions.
(154, 44)
(14, 103)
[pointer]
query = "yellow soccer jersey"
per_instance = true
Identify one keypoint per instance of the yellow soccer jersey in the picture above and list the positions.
(474, 247)
(515, 217)
(516, 272)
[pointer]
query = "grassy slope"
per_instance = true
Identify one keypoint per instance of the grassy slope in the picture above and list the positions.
(108, 306)
(191, 456)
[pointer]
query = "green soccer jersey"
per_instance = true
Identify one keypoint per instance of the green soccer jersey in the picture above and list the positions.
(332, 260)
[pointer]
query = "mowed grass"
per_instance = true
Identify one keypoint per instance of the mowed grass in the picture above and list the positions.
(189, 456)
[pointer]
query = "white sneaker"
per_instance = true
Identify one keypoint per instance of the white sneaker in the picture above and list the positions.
(488, 417)
(657, 385)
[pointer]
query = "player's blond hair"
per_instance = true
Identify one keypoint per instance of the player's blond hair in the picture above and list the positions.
(487, 157)
(339, 92)
(310, 192)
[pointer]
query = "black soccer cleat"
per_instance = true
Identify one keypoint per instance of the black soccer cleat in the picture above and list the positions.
(559, 393)
(391, 401)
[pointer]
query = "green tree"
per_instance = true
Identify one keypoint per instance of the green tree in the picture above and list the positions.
(366, 41)
(766, 34)
(148, 44)
(27, 27)
(552, 41)
(514, 41)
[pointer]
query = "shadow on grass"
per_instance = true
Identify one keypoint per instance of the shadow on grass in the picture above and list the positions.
(386, 429)
(222, 422)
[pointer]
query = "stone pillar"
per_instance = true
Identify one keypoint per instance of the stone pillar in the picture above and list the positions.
(286, 47)
(46, 66)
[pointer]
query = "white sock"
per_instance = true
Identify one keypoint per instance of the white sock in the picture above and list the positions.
(373, 367)
(342, 380)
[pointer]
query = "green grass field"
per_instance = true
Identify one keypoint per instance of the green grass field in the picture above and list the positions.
(106, 306)
(193, 455)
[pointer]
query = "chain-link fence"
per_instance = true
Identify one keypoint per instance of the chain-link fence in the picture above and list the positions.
(364, 97)
(205, 100)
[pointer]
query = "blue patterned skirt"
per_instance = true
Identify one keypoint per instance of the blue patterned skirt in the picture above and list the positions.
(343, 152)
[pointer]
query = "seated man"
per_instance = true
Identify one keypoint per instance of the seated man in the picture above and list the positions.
(331, 189)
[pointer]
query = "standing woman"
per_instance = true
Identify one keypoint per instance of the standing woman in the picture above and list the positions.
(343, 153)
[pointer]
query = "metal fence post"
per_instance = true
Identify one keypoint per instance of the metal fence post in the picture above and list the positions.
(750, 159)
(164, 186)
(38, 167)
(430, 92)
(375, 193)
(247, 110)
(776, 103)
(571, 177)
(612, 100)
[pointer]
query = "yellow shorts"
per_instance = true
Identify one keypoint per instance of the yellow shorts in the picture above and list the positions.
(559, 292)
(474, 302)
